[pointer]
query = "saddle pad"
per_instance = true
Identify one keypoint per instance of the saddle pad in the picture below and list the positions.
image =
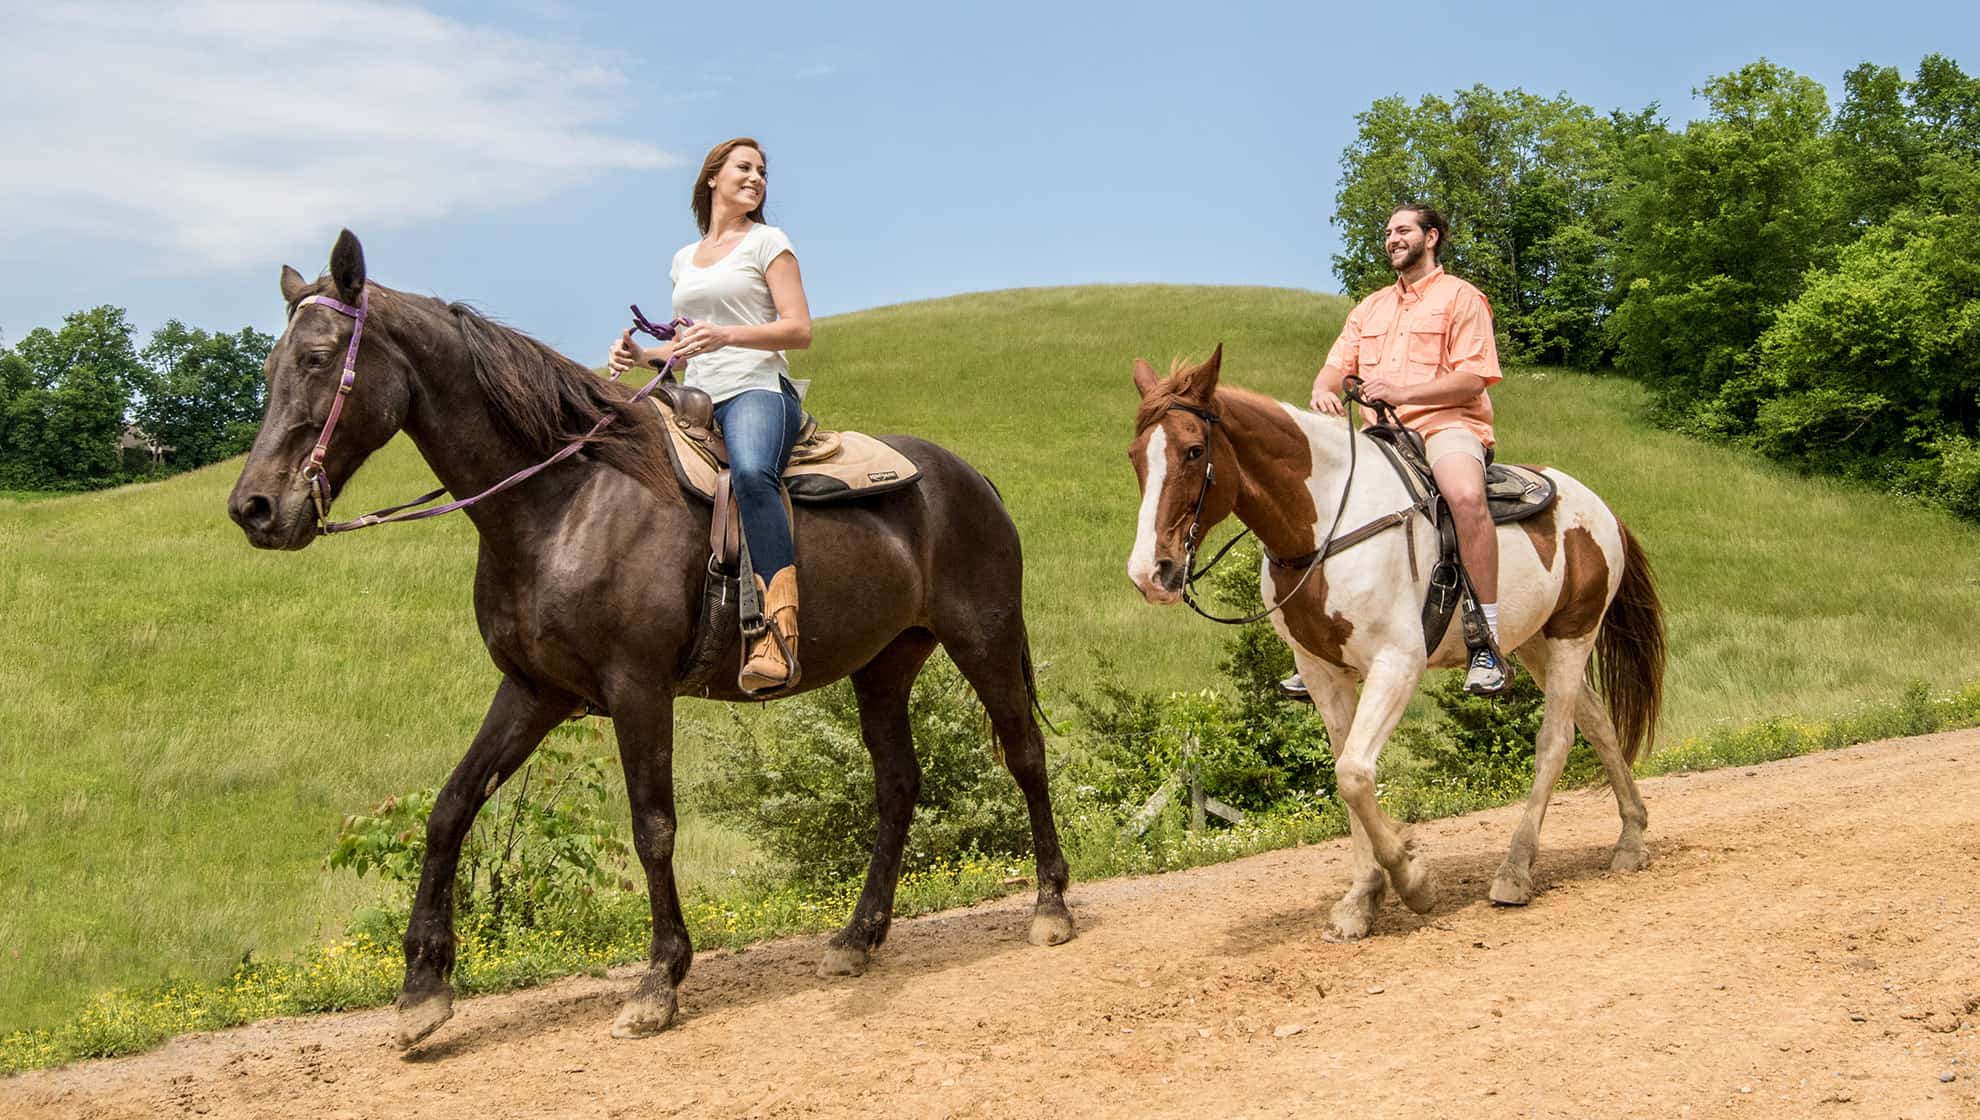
(828, 467)
(1512, 493)
(1516, 493)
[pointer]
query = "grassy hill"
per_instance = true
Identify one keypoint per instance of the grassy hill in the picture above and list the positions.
(183, 720)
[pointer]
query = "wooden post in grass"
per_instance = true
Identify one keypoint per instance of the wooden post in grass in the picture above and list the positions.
(1200, 802)
(1196, 805)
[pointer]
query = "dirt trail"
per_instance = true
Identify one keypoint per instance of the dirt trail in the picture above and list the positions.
(1806, 942)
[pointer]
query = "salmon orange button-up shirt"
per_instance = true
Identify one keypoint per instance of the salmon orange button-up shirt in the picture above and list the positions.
(1413, 335)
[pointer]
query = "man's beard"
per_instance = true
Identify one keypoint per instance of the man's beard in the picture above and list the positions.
(1409, 261)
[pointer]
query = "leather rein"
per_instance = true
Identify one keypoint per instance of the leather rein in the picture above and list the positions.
(1329, 546)
(319, 487)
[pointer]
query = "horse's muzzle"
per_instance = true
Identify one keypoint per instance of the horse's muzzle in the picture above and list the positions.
(1163, 585)
(271, 523)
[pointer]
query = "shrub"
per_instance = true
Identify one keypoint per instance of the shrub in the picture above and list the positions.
(1488, 745)
(537, 856)
(1249, 748)
(799, 781)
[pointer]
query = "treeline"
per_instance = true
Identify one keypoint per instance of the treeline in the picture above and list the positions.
(1790, 276)
(69, 397)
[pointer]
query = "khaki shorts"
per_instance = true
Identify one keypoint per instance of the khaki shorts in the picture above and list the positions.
(1453, 441)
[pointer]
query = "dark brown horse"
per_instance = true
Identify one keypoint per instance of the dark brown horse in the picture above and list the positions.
(588, 585)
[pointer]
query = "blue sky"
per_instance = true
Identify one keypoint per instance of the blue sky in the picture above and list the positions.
(535, 157)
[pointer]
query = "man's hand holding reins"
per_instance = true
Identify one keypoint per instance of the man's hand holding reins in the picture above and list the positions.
(1327, 397)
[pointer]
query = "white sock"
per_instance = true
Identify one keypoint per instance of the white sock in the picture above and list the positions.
(1491, 612)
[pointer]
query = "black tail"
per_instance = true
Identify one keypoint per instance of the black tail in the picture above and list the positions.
(1031, 685)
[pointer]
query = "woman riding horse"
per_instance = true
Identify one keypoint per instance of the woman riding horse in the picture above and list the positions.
(565, 477)
(739, 285)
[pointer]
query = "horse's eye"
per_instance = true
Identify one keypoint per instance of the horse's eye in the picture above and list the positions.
(316, 359)
(1194, 453)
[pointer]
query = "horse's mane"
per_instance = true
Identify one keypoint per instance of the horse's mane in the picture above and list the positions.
(1172, 387)
(545, 400)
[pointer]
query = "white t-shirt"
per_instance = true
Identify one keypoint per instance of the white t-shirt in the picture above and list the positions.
(732, 292)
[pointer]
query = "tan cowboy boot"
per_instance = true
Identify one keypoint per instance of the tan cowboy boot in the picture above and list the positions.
(767, 667)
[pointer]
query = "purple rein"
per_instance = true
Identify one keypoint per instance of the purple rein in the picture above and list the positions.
(313, 469)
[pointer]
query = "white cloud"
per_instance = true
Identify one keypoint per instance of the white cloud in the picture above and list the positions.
(229, 133)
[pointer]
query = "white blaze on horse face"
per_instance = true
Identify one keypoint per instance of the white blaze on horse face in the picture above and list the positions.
(1155, 474)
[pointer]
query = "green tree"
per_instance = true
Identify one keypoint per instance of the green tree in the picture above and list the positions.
(1874, 370)
(1719, 224)
(200, 394)
(1879, 147)
(65, 400)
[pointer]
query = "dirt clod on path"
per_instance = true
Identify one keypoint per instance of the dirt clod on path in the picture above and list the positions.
(1806, 942)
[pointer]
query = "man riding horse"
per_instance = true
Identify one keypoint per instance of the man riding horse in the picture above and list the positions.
(1425, 346)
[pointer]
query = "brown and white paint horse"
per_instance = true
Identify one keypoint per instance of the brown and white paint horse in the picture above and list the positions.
(1572, 583)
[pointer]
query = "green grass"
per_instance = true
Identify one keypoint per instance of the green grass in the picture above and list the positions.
(183, 720)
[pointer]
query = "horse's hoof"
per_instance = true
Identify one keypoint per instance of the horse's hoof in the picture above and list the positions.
(1629, 859)
(1417, 888)
(646, 1014)
(1051, 926)
(843, 961)
(1513, 886)
(1349, 923)
(422, 1017)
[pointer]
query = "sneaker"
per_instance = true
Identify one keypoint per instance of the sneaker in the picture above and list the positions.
(1487, 674)
(1293, 688)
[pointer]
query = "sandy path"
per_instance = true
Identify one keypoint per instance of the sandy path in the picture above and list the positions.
(1805, 943)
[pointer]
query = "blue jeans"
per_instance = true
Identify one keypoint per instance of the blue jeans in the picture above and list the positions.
(760, 428)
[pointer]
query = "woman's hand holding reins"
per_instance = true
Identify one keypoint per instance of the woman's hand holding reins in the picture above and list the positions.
(702, 338)
(625, 354)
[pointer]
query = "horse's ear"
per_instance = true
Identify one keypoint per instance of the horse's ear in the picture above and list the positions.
(1145, 378)
(293, 285)
(1200, 384)
(347, 266)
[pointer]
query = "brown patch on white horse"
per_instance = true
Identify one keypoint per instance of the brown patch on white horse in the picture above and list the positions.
(1584, 587)
(1316, 631)
(1541, 530)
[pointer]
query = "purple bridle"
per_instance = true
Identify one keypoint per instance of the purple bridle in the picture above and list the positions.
(319, 488)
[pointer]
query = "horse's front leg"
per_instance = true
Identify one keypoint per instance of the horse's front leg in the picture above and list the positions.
(1389, 685)
(516, 722)
(645, 726)
(1332, 690)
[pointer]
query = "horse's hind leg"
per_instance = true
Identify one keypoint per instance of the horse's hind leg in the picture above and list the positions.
(1557, 664)
(994, 665)
(883, 686)
(1593, 719)
(516, 722)
(643, 721)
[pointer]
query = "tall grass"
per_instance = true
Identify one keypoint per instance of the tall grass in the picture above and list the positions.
(183, 720)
